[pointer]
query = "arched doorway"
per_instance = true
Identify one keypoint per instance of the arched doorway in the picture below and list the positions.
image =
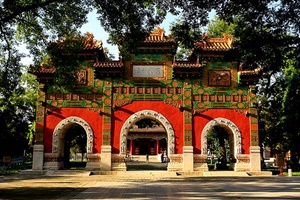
(147, 136)
(220, 148)
(75, 156)
(230, 131)
(60, 138)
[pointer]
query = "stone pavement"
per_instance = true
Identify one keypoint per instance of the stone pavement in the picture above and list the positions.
(147, 186)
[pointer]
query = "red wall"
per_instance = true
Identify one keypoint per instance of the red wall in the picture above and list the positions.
(91, 117)
(173, 115)
(239, 119)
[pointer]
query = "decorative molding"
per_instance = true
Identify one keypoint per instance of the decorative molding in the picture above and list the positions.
(121, 103)
(63, 126)
(224, 123)
(143, 115)
(173, 103)
(176, 158)
(97, 110)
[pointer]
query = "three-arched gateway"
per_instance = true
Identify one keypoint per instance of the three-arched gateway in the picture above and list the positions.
(150, 104)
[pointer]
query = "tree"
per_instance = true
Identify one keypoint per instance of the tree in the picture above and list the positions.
(16, 115)
(217, 142)
(75, 142)
(291, 109)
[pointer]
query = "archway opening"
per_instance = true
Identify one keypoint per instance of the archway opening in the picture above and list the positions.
(220, 148)
(75, 148)
(147, 145)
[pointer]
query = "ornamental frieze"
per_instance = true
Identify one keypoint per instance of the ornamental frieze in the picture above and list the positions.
(147, 90)
(74, 96)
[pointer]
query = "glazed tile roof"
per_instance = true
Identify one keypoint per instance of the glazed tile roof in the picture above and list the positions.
(215, 44)
(42, 70)
(158, 36)
(89, 42)
(256, 71)
(108, 64)
(186, 64)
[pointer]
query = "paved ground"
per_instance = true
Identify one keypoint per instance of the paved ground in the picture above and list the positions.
(147, 187)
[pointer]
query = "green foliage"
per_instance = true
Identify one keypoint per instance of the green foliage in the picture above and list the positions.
(76, 140)
(218, 144)
(217, 27)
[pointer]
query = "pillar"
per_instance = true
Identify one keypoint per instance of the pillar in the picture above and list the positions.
(157, 146)
(38, 148)
(188, 158)
(254, 148)
(255, 159)
(188, 154)
(106, 128)
(105, 158)
(131, 147)
(38, 157)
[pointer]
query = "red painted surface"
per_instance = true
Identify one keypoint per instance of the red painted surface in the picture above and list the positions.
(240, 120)
(91, 117)
(173, 115)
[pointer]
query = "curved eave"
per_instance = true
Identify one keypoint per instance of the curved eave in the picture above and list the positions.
(108, 64)
(184, 65)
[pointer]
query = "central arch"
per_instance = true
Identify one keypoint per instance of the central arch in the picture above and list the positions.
(143, 115)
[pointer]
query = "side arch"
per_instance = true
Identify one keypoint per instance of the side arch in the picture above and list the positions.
(151, 115)
(223, 122)
(64, 125)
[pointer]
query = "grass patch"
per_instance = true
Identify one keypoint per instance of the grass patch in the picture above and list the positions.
(15, 170)
(276, 171)
(293, 173)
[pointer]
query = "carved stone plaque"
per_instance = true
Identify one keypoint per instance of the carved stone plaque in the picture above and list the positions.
(147, 71)
(81, 77)
(219, 78)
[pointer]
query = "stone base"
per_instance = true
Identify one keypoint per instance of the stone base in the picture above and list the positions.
(53, 165)
(38, 157)
(175, 163)
(94, 162)
(200, 162)
(188, 159)
(261, 173)
(119, 166)
(255, 159)
(105, 158)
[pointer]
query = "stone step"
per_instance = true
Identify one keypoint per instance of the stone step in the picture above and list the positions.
(136, 173)
(224, 173)
(68, 173)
